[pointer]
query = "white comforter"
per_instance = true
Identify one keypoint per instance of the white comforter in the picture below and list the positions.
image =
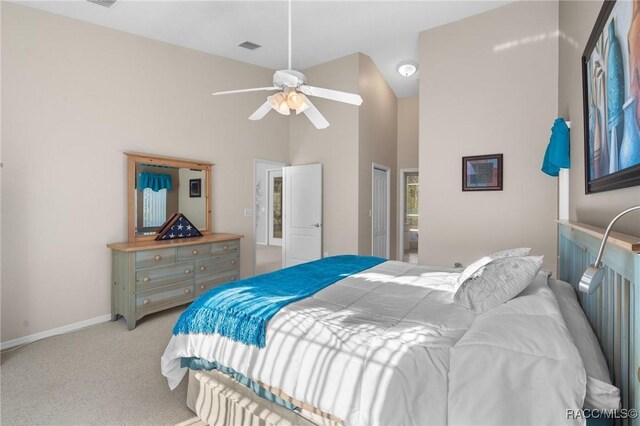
(388, 346)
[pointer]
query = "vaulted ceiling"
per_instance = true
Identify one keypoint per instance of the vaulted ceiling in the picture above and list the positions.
(387, 31)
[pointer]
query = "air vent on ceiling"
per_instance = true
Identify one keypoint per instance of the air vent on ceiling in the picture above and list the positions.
(105, 3)
(247, 44)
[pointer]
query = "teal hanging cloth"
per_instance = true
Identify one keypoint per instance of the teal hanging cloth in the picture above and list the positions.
(154, 181)
(557, 155)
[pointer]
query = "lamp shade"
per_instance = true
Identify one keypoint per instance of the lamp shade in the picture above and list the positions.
(295, 99)
(279, 103)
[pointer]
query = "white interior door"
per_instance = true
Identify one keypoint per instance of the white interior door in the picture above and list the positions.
(302, 214)
(380, 212)
(275, 207)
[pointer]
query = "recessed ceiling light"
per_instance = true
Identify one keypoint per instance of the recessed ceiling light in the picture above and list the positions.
(407, 68)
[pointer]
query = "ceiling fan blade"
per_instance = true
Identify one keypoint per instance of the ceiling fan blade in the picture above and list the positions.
(261, 112)
(315, 117)
(255, 89)
(334, 95)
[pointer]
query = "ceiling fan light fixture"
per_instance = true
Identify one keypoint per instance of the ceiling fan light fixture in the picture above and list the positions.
(294, 99)
(407, 68)
(303, 107)
(279, 103)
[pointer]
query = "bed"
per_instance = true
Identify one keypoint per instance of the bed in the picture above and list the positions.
(389, 345)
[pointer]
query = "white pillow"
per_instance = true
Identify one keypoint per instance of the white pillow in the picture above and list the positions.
(601, 394)
(480, 263)
(501, 280)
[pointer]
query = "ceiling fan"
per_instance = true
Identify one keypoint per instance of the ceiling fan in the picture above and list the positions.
(292, 94)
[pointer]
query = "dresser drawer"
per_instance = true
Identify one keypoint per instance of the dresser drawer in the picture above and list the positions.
(151, 258)
(194, 252)
(164, 275)
(159, 298)
(217, 264)
(205, 284)
(224, 247)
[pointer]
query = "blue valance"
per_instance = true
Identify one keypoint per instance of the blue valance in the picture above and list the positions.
(557, 154)
(154, 181)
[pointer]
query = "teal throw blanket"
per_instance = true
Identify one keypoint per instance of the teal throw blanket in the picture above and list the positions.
(241, 310)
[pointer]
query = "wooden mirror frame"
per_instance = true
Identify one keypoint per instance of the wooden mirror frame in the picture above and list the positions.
(133, 158)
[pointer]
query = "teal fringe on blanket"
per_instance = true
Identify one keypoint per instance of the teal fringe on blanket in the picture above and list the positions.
(241, 310)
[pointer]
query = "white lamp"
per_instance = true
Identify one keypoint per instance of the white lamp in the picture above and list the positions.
(592, 277)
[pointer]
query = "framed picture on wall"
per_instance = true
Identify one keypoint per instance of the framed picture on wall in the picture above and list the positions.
(195, 188)
(611, 97)
(482, 173)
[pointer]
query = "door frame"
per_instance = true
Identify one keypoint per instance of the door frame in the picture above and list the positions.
(271, 241)
(401, 209)
(254, 231)
(387, 171)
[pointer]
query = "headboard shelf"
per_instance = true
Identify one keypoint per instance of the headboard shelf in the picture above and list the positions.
(624, 241)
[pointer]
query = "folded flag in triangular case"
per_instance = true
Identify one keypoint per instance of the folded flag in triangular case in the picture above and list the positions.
(178, 226)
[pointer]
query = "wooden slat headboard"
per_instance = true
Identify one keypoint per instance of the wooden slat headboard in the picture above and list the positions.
(613, 310)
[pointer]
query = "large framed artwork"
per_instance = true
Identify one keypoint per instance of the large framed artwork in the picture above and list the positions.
(611, 92)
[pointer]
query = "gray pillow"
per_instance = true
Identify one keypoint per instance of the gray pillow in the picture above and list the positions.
(480, 263)
(501, 280)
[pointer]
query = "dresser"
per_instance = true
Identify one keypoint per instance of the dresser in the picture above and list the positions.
(150, 276)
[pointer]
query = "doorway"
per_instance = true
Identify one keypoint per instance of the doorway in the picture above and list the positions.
(268, 198)
(380, 189)
(409, 216)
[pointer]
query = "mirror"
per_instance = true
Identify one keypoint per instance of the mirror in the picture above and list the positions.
(161, 186)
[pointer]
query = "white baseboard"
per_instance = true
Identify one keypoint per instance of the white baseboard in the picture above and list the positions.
(54, 331)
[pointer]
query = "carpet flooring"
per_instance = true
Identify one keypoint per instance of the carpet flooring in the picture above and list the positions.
(102, 375)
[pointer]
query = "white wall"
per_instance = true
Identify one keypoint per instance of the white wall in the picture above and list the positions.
(486, 88)
(577, 19)
(377, 144)
(75, 96)
(336, 147)
(408, 120)
(194, 208)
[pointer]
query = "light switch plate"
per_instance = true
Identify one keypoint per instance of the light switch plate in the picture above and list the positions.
(248, 212)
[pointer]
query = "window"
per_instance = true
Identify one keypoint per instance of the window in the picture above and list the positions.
(154, 207)
(412, 187)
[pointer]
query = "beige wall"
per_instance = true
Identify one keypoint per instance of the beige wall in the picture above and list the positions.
(483, 90)
(75, 96)
(408, 132)
(576, 21)
(336, 147)
(378, 144)
(194, 208)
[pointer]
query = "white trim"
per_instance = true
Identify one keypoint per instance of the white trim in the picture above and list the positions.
(401, 206)
(387, 170)
(55, 331)
(253, 202)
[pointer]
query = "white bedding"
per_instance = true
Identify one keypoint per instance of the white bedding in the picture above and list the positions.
(389, 347)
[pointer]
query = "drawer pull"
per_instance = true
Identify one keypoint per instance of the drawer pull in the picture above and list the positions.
(187, 290)
(202, 287)
(225, 248)
(146, 279)
(145, 302)
(194, 252)
(158, 257)
(233, 278)
(202, 268)
(187, 271)
(233, 262)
